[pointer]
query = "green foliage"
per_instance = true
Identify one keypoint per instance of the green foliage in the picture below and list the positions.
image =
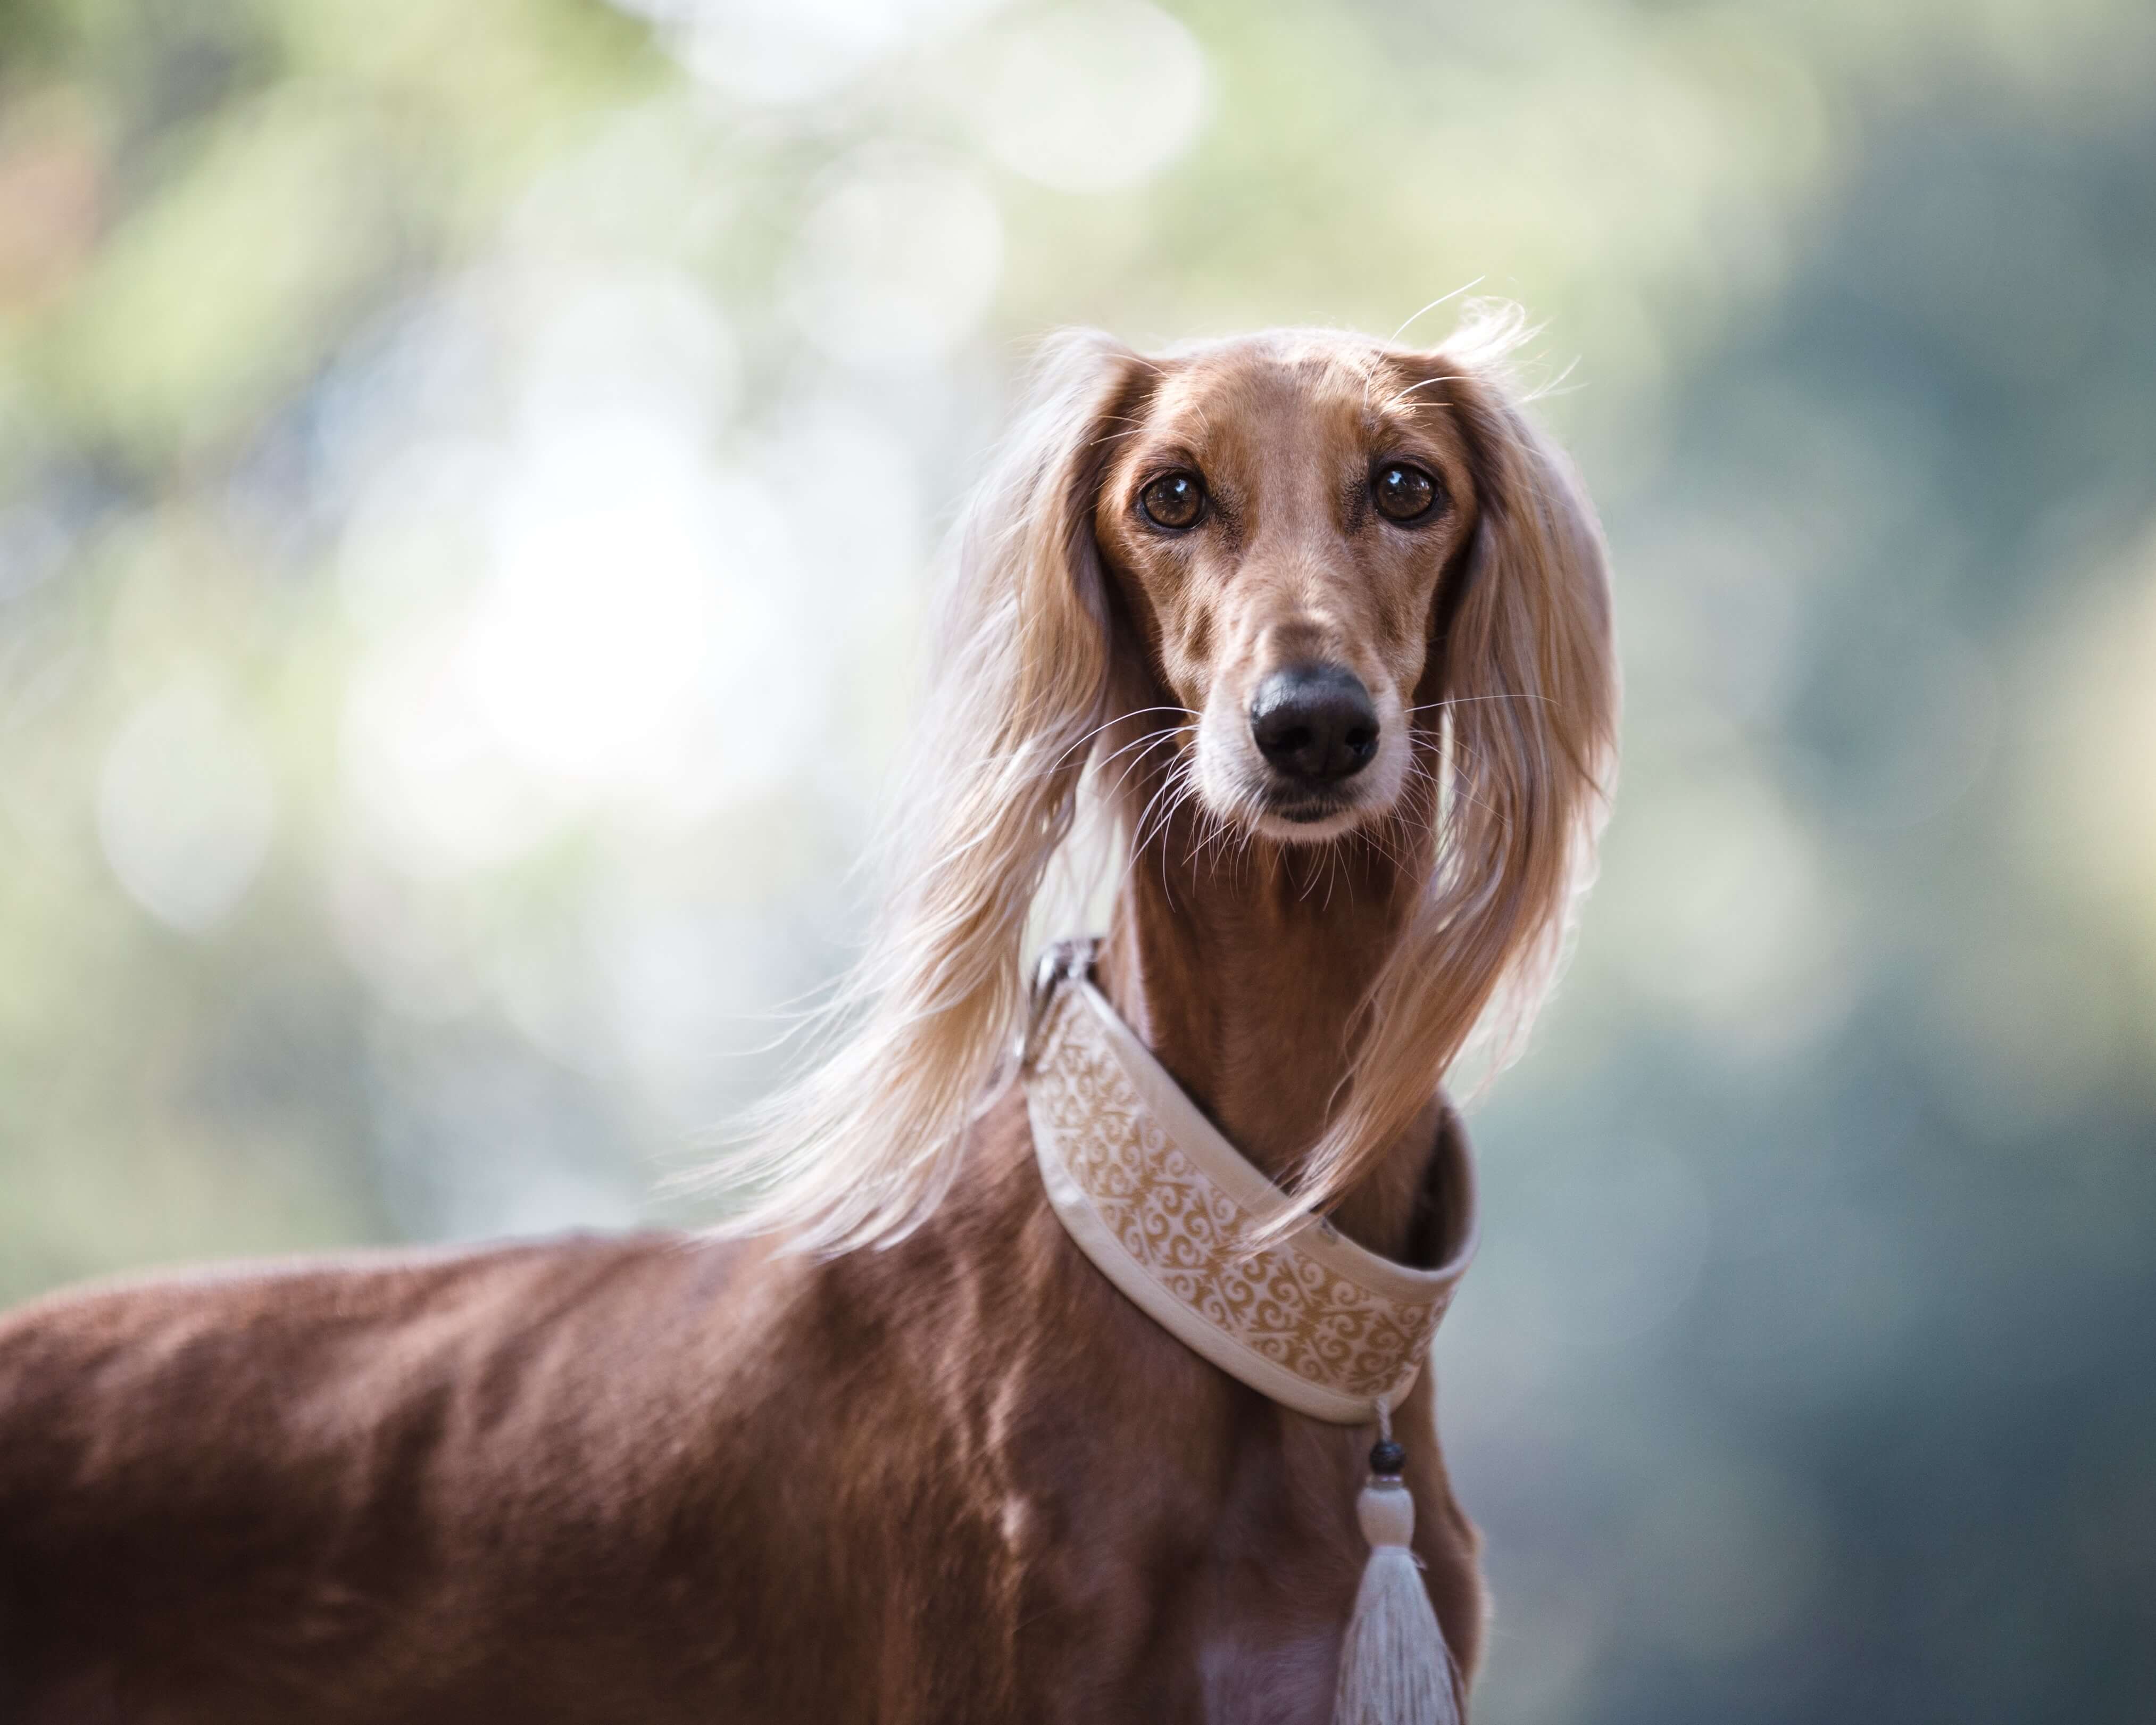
(425, 428)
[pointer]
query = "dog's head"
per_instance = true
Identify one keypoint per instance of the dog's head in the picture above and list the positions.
(1344, 593)
(1350, 578)
(1278, 517)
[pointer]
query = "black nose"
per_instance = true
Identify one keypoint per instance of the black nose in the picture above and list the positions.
(1315, 722)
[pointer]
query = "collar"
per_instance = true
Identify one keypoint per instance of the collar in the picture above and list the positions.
(1163, 1203)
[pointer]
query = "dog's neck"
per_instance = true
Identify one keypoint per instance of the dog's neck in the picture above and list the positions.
(1243, 974)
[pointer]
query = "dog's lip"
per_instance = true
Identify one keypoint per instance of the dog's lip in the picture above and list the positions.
(1305, 810)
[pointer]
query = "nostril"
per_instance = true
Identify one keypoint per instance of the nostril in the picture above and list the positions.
(1315, 723)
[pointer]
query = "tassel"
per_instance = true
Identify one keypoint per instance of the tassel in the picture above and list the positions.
(1394, 1666)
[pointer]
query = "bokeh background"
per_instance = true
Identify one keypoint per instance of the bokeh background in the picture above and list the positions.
(469, 471)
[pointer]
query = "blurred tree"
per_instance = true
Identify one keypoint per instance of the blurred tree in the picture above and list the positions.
(411, 414)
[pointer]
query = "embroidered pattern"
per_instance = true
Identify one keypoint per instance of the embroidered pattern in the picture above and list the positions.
(1281, 1301)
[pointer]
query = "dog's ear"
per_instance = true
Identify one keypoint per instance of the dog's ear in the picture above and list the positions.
(1023, 633)
(1525, 634)
(1522, 667)
(864, 1143)
(1523, 659)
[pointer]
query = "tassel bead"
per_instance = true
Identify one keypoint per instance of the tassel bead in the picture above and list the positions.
(1386, 1511)
(1387, 1459)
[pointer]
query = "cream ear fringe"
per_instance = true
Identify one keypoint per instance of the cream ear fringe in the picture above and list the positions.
(1394, 1666)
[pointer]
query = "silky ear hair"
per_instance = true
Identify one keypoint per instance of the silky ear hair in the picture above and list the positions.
(1529, 687)
(864, 1143)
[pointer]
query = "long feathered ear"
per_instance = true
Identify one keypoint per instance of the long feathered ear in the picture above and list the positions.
(1524, 663)
(864, 1143)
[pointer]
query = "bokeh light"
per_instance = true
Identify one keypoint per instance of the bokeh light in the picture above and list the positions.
(470, 478)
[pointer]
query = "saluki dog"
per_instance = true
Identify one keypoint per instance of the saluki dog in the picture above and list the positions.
(1306, 637)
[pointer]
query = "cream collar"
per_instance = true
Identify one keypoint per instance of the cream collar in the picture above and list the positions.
(1164, 1206)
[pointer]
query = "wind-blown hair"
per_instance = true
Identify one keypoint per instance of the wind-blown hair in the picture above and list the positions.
(1024, 677)
(865, 1142)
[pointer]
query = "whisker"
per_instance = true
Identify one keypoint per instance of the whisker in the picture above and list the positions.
(1467, 699)
(1151, 739)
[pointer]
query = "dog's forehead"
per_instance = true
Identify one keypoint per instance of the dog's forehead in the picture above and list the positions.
(1258, 391)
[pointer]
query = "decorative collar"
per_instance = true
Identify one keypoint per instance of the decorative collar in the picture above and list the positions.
(1166, 1207)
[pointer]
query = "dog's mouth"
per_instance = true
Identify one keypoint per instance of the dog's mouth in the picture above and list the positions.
(1299, 809)
(1294, 814)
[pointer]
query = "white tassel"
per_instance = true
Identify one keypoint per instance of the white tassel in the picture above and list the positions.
(1394, 1666)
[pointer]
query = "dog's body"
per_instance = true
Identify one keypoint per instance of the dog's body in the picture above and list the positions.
(663, 1479)
(959, 1476)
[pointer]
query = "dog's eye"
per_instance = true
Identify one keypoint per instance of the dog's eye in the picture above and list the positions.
(1403, 493)
(1174, 501)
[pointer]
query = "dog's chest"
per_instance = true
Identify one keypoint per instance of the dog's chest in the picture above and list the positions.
(1266, 1675)
(1209, 1591)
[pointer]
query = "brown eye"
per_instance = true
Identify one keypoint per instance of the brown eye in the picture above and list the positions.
(1403, 493)
(1174, 501)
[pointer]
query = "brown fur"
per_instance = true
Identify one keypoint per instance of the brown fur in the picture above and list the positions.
(956, 1477)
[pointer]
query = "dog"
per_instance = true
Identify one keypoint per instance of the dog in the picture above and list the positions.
(1315, 630)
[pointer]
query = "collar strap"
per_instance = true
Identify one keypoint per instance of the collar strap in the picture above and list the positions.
(1165, 1207)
